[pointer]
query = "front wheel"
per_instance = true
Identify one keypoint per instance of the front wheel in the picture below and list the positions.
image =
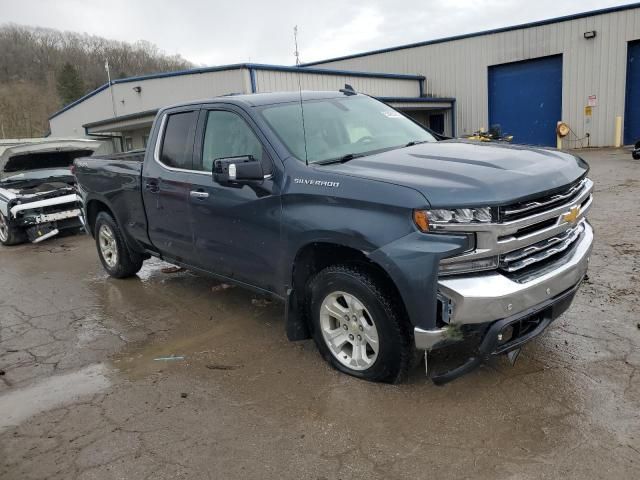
(115, 256)
(10, 235)
(358, 326)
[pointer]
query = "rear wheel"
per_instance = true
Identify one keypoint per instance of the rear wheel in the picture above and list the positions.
(358, 326)
(636, 152)
(10, 235)
(116, 258)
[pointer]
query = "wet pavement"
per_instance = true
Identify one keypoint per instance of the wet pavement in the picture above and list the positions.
(169, 375)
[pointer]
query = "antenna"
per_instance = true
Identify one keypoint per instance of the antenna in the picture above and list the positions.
(304, 130)
(295, 41)
(113, 102)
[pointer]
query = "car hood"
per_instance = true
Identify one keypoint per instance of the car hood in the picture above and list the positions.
(465, 174)
(28, 155)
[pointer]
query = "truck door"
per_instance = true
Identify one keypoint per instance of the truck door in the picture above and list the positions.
(166, 185)
(236, 228)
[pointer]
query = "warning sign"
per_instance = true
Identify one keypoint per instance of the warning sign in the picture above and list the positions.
(592, 101)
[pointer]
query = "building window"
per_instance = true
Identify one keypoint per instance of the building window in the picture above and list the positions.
(128, 144)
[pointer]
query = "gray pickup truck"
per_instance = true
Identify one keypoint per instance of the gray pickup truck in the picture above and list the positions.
(381, 240)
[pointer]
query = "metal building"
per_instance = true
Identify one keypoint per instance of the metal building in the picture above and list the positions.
(581, 69)
(124, 110)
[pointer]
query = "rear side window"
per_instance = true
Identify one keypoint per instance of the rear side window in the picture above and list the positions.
(177, 143)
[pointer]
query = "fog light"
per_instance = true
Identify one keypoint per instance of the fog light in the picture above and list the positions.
(468, 266)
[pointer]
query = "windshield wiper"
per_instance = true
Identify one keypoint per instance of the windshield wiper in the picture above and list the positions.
(343, 159)
(415, 142)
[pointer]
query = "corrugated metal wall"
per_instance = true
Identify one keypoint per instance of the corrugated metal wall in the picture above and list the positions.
(160, 92)
(590, 67)
(278, 81)
(155, 93)
(69, 123)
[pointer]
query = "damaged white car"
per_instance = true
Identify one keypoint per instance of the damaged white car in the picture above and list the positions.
(37, 189)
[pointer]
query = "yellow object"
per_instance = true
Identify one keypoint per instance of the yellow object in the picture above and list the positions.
(421, 220)
(588, 110)
(617, 140)
(572, 216)
(562, 129)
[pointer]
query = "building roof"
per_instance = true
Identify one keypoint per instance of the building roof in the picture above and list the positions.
(538, 23)
(237, 66)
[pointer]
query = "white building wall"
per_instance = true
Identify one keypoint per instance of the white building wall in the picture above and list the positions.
(160, 92)
(279, 81)
(69, 123)
(459, 68)
(155, 93)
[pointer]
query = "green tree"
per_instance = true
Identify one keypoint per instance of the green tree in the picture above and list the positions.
(69, 84)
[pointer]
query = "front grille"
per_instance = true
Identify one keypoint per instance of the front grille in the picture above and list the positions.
(540, 251)
(531, 207)
(530, 236)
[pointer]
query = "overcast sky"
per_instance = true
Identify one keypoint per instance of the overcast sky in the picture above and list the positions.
(214, 32)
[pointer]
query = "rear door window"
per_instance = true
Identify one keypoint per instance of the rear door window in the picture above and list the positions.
(177, 142)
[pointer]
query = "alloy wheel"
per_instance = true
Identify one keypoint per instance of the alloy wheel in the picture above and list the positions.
(108, 246)
(349, 331)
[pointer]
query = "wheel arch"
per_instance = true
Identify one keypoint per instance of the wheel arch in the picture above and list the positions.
(93, 209)
(310, 259)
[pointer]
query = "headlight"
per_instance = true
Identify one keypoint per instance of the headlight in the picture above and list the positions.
(427, 220)
(460, 215)
(437, 220)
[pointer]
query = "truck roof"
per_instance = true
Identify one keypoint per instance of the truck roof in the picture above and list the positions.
(262, 99)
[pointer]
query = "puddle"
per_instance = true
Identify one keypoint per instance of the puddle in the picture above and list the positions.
(53, 392)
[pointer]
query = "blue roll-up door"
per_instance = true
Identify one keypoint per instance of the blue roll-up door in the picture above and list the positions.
(525, 99)
(632, 107)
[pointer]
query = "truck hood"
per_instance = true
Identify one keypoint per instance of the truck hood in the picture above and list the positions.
(26, 155)
(465, 174)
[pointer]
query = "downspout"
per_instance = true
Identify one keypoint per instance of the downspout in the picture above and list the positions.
(453, 118)
(252, 77)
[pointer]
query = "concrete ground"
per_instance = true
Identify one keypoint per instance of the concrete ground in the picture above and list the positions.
(169, 375)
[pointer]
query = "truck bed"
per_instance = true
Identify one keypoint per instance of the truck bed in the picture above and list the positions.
(115, 180)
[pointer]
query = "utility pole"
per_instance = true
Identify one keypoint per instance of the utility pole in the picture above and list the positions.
(295, 40)
(113, 101)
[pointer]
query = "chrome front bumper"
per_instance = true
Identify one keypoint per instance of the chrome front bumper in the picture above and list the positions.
(492, 296)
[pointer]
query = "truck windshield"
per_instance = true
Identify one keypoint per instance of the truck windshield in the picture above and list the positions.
(341, 128)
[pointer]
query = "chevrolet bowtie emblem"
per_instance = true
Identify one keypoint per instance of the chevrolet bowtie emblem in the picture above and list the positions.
(572, 216)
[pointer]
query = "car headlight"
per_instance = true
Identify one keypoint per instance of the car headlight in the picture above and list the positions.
(438, 219)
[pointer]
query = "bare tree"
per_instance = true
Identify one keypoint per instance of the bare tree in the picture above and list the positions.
(33, 58)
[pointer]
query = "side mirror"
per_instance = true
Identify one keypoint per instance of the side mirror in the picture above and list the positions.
(237, 169)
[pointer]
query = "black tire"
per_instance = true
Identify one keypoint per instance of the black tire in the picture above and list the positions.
(10, 235)
(636, 155)
(126, 263)
(395, 338)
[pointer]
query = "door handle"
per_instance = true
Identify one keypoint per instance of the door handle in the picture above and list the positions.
(198, 194)
(152, 187)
